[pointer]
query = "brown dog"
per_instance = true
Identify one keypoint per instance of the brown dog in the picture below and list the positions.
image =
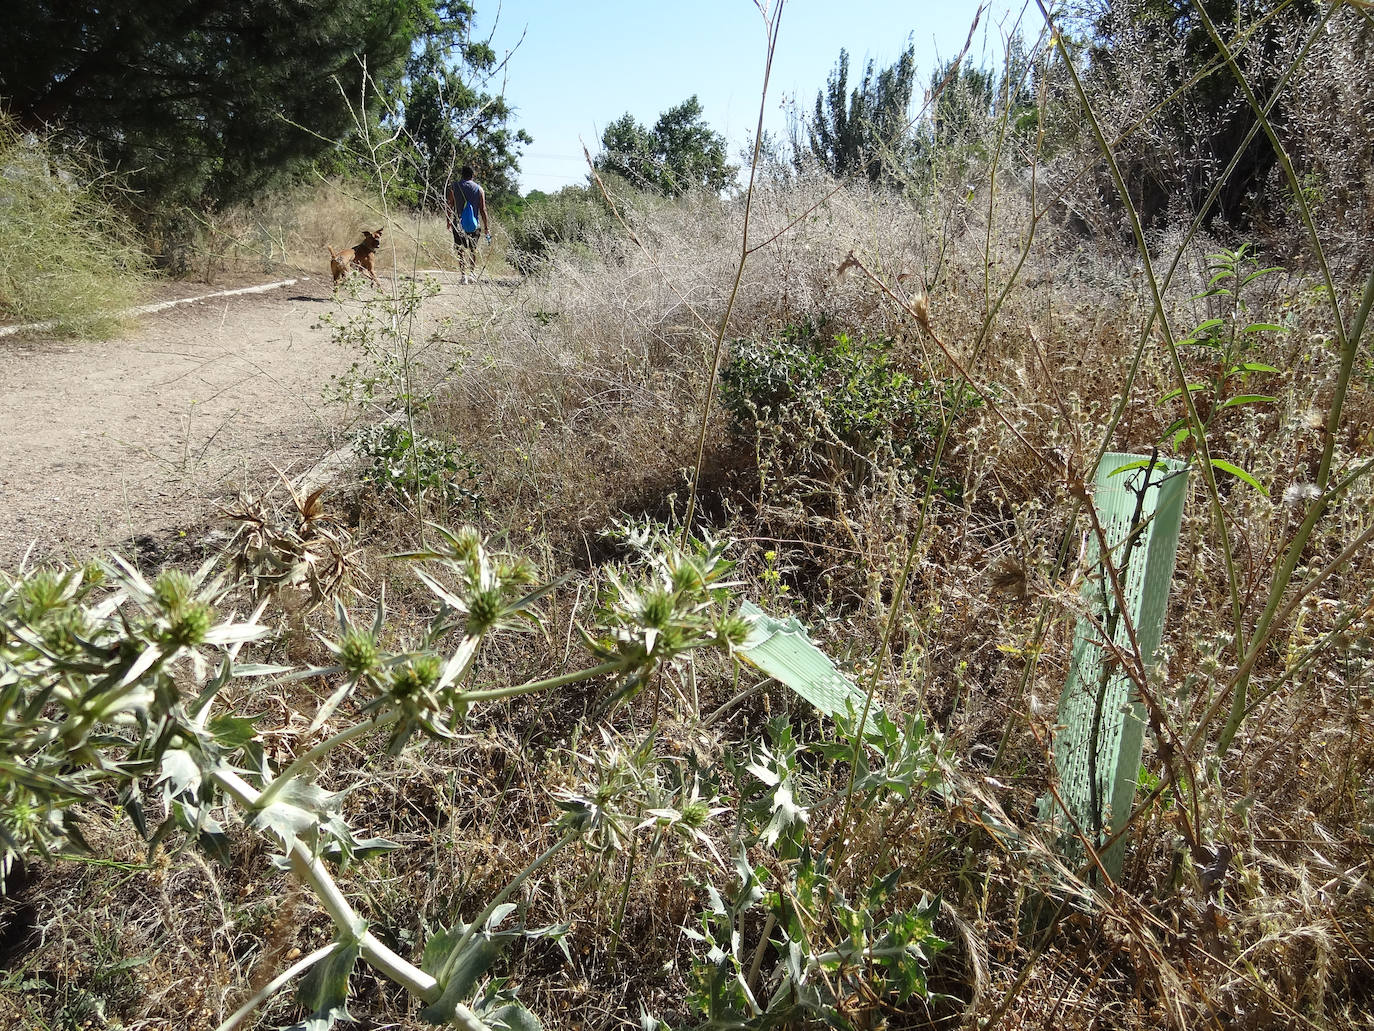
(359, 255)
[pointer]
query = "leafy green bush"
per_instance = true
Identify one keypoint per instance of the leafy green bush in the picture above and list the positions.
(66, 254)
(814, 403)
(574, 216)
(416, 467)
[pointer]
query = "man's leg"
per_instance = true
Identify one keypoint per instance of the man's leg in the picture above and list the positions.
(465, 256)
(460, 247)
(471, 258)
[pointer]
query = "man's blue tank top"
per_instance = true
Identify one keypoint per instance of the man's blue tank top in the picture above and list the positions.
(472, 194)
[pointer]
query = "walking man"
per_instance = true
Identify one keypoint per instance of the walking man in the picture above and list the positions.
(465, 209)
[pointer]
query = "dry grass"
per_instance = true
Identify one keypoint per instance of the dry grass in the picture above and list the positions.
(289, 231)
(596, 385)
(67, 254)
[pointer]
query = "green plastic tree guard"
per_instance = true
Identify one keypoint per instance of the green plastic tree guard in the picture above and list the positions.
(1101, 718)
(783, 650)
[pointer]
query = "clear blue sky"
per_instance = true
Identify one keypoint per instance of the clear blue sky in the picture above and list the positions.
(584, 63)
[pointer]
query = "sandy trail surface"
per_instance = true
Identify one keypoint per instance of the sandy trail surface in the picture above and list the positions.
(103, 442)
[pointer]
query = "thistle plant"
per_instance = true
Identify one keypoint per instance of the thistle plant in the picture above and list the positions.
(682, 604)
(304, 549)
(844, 948)
(115, 687)
(91, 663)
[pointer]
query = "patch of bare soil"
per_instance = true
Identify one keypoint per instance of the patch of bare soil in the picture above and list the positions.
(112, 443)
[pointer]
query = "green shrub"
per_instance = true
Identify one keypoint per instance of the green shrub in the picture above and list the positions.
(66, 254)
(573, 216)
(811, 403)
(417, 467)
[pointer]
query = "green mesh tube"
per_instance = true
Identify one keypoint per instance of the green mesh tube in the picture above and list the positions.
(783, 650)
(1097, 694)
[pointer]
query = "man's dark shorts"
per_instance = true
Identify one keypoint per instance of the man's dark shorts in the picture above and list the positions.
(468, 240)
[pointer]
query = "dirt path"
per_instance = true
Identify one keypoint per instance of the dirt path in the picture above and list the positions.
(105, 441)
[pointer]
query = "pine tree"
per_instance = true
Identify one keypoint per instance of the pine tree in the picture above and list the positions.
(202, 101)
(447, 116)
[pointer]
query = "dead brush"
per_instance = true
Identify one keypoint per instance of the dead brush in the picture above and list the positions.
(601, 363)
(300, 555)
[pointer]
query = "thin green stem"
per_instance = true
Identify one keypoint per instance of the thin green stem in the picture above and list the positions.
(541, 685)
(1348, 342)
(1157, 296)
(273, 789)
(506, 892)
(312, 873)
(624, 897)
(734, 287)
(1193, 229)
(1317, 647)
(1281, 154)
(267, 990)
(1258, 642)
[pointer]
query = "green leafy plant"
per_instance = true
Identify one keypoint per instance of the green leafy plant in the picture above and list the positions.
(812, 403)
(385, 375)
(67, 255)
(396, 372)
(836, 947)
(417, 468)
(1223, 345)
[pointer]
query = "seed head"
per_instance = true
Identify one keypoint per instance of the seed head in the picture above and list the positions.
(733, 630)
(658, 610)
(688, 575)
(920, 307)
(468, 543)
(190, 627)
(358, 652)
(695, 813)
(40, 594)
(173, 591)
(485, 606)
(417, 676)
(61, 630)
(1297, 493)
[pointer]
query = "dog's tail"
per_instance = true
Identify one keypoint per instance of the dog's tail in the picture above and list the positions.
(332, 255)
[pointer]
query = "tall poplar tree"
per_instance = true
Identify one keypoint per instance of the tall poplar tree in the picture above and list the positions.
(864, 131)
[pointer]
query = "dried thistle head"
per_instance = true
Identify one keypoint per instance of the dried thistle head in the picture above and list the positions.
(1009, 576)
(304, 549)
(920, 308)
